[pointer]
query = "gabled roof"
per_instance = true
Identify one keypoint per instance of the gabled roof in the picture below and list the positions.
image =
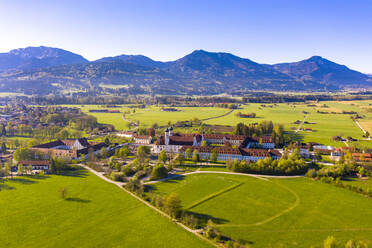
(222, 136)
(34, 162)
(234, 151)
(84, 142)
(180, 139)
(50, 144)
(142, 137)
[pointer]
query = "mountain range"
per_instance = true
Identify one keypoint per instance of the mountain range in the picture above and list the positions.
(43, 70)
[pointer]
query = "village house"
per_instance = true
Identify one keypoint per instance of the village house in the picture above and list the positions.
(37, 165)
(361, 157)
(228, 153)
(126, 134)
(173, 142)
(326, 150)
(143, 139)
(71, 149)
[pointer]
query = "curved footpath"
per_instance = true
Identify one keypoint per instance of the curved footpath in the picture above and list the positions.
(262, 177)
(120, 185)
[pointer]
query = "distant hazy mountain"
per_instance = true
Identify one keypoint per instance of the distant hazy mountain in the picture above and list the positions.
(38, 57)
(322, 70)
(135, 59)
(92, 74)
(224, 68)
(44, 70)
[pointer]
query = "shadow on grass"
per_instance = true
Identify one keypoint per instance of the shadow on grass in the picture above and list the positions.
(77, 199)
(5, 187)
(203, 218)
(75, 171)
(22, 180)
(38, 176)
(295, 136)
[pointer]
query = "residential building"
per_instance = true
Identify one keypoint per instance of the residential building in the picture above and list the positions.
(68, 148)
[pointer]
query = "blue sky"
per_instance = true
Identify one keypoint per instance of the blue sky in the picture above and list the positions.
(264, 31)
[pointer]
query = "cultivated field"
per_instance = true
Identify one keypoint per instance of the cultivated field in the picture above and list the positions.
(95, 214)
(296, 212)
(323, 126)
(152, 115)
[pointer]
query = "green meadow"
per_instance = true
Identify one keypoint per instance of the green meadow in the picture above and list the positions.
(153, 114)
(365, 183)
(324, 126)
(94, 214)
(295, 212)
(115, 119)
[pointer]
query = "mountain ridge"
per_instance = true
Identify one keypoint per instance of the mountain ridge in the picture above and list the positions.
(38, 57)
(200, 72)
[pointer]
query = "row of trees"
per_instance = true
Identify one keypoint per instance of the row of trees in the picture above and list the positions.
(293, 165)
(262, 129)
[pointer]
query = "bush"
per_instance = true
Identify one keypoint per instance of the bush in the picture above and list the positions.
(115, 176)
(134, 185)
(268, 166)
(190, 220)
(159, 172)
(127, 171)
(63, 193)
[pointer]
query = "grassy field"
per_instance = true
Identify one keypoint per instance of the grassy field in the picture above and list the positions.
(363, 183)
(324, 128)
(325, 125)
(95, 214)
(152, 115)
(296, 212)
(115, 119)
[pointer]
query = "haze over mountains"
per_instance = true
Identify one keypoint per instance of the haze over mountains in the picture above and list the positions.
(43, 70)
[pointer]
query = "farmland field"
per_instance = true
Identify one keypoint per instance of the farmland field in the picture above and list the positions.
(323, 125)
(152, 115)
(115, 119)
(94, 214)
(295, 212)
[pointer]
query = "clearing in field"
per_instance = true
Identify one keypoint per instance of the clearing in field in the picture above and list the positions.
(295, 212)
(94, 214)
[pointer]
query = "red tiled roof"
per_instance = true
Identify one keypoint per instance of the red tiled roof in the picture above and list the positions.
(366, 155)
(235, 151)
(142, 136)
(221, 136)
(34, 162)
(180, 139)
(50, 144)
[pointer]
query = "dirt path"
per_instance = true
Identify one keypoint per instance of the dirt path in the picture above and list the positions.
(262, 177)
(129, 121)
(120, 185)
(220, 116)
(290, 208)
(300, 125)
(363, 130)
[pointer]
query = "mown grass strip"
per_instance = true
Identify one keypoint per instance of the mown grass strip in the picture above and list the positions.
(218, 193)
